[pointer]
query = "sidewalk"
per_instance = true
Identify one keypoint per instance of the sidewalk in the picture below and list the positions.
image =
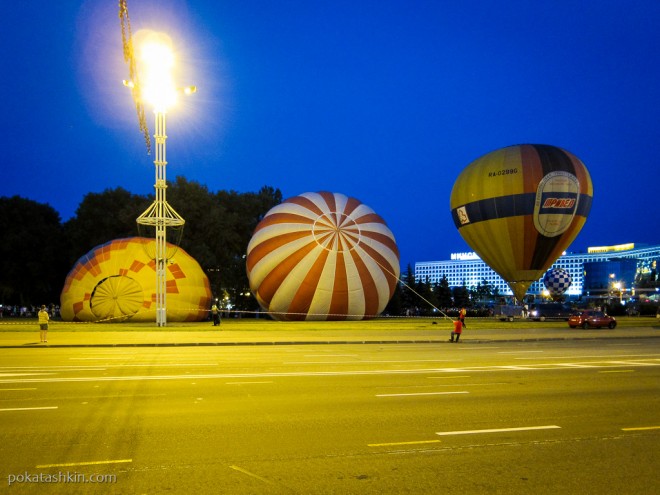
(230, 337)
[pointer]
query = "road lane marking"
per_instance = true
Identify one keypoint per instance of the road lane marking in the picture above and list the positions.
(462, 384)
(52, 369)
(422, 393)
(632, 363)
(519, 352)
(576, 365)
(28, 408)
(453, 377)
(97, 358)
(593, 356)
(496, 430)
(245, 383)
(84, 463)
(641, 428)
(10, 389)
(617, 371)
(392, 444)
(414, 361)
(245, 471)
(330, 355)
(23, 374)
(373, 362)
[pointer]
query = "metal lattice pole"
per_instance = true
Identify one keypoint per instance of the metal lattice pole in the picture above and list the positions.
(161, 225)
(161, 215)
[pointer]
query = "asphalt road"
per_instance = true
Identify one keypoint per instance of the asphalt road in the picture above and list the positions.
(565, 417)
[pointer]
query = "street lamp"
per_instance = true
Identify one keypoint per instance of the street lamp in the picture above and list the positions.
(158, 90)
(620, 288)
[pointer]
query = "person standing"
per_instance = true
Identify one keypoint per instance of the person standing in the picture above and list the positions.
(215, 313)
(461, 317)
(43, 323)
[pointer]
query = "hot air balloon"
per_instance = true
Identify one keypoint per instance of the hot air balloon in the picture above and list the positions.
(322, 256)
(116, 281)
(520, 207)
(557, 280)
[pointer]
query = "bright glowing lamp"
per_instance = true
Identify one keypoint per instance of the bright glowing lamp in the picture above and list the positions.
(158, 88)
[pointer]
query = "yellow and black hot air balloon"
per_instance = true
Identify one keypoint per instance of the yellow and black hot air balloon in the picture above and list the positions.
(520, 207)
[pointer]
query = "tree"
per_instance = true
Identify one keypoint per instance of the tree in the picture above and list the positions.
(394, 306)
(443, 293)
(461, 296)
(102, 217)
(408, 296)
(242, 212)
(207, 223)
(33, 261)
(428, 300)
(484, 291)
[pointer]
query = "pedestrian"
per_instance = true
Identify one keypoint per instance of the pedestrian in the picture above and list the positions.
(43, 323)
(458, 330)
(215, 314)
(461, 317)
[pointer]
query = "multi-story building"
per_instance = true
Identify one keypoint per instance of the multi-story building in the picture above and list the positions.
(594, 273)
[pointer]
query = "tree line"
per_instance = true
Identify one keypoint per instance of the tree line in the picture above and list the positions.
(38, 250)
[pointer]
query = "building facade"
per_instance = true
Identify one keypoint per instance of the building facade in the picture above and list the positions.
(596, 273)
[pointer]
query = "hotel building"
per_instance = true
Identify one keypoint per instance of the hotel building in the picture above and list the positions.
(594, 273)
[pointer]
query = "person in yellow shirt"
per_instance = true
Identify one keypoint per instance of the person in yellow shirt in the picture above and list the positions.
(43, 323)
(215, 313)
(461, 317)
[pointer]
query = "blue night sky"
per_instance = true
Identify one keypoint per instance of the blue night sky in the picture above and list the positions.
(383, 100)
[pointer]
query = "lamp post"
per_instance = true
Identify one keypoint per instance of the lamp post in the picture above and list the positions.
(157, 89)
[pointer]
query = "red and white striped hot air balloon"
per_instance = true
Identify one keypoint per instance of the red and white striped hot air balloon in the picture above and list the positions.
(322, 256)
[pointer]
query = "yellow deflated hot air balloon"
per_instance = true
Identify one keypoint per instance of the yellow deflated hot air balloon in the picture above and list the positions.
(117, 281)
(322, 256)
(520, 207)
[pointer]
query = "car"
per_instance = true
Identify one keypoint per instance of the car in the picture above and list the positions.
(549, 311)
(591, 318)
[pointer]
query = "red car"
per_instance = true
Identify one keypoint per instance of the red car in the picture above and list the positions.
(591, 318)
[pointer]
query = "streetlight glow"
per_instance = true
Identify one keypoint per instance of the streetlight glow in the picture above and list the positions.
(158, 88)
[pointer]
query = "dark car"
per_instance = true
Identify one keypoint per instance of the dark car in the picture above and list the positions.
(549, 311)
(591, 318)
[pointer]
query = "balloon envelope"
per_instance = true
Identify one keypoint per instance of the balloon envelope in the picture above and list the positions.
(520, 207)
(557, 280)
(116, 281)
(322, 256)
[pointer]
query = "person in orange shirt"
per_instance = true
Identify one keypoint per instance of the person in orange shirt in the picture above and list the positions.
(458, 330)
